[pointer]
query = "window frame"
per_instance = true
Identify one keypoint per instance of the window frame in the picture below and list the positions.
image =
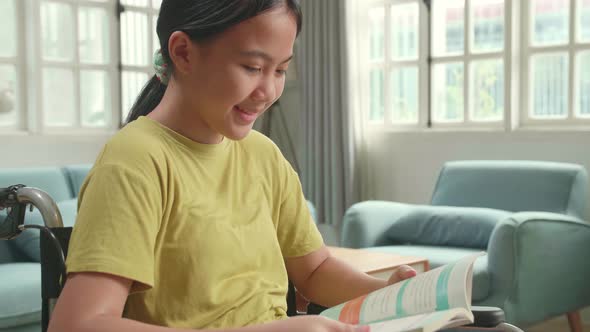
(36, 118)
(387, 64)
(29, 64)
(467, 58)
(19, 61)
(572, 48)
(148, 70)
(515, 57)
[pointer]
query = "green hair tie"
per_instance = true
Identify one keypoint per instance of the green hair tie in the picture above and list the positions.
(161, 67)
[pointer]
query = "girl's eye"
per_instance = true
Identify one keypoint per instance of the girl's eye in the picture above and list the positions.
(253, 69)
(282, 72)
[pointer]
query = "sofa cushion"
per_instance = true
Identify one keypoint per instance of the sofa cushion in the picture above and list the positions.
(446, 226)
(20, 294)
(439, 256)
(28, 242)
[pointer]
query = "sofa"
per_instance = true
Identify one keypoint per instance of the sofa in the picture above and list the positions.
(20, 274)
(530, 217)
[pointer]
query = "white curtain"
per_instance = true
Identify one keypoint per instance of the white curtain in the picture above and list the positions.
(331, 127)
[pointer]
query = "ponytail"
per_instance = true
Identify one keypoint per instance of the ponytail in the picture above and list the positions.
(148, 99)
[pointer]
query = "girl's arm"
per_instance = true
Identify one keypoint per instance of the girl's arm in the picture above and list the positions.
(93, 302)
(328, 281)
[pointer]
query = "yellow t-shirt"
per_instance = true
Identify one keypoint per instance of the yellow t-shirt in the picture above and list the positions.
(201, 229)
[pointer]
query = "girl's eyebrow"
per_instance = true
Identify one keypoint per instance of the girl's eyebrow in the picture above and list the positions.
(265, 56)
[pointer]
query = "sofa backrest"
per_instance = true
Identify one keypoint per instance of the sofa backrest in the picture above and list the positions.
(76, 175)
(514, 186)
(52, 180)
(62, 184)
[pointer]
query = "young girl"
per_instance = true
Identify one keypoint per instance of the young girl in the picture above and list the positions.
(189, 219)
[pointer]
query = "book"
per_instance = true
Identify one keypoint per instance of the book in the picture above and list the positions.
(430, 301)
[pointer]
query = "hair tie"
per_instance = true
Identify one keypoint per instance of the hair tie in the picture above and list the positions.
(161, 67)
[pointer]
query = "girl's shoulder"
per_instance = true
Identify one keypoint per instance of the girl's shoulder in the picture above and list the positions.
(258, 142)
(132, 145)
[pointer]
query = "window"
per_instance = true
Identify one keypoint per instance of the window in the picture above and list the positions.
(11, 64)
(555, 62)
(476, 63)
(396, 63)
(78, 69)
(138, 44)
(63, 70)
(467, 62)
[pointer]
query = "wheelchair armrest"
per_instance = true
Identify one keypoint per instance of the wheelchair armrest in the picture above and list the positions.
(487, 316)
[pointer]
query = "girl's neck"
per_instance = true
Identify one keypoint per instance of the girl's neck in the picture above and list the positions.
(175, 112)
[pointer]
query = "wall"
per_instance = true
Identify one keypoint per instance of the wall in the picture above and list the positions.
(407, 164)
(24, 150)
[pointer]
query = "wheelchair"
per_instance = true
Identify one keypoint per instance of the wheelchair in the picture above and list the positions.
(54, 249)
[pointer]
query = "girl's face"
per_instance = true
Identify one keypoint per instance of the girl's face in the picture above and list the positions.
(240, 73)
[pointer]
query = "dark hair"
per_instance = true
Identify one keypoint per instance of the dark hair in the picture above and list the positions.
(201, 20)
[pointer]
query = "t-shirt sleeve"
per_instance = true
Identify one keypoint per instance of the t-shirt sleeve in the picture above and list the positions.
(297, 232)
(119, 214)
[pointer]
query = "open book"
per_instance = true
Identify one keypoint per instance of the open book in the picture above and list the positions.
(430, 301)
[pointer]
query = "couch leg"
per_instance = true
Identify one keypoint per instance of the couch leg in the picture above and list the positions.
(575, 321)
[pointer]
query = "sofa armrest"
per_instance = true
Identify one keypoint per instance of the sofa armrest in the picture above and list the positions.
(365, 223)
(539, 258)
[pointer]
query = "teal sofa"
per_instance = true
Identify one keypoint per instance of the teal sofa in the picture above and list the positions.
(530, 218)
(20, 274)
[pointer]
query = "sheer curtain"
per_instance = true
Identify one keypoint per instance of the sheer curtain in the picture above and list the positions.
(331, 126)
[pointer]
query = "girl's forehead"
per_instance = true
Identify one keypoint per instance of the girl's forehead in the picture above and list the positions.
(268, 27)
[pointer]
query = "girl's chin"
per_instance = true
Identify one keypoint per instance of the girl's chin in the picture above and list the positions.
(239, 132)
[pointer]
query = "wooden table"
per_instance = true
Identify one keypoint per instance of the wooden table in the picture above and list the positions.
(378, 264)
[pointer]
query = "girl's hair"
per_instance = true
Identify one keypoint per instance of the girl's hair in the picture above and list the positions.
(201, 20)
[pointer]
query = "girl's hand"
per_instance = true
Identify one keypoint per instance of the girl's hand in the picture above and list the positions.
(401, 273)
(313, 323)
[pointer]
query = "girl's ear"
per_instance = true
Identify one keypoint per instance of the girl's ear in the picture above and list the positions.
(180, 47)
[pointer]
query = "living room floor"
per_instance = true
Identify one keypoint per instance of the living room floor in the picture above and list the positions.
(558, 324)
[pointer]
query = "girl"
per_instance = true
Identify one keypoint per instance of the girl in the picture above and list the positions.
(190, 220)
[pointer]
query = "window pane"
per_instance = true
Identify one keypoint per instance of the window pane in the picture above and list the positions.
(549, 77)
(156, 41)
(93, 36)
(156, 3)
(448, 27)
(550, 22)
(583, 85)
(95, 98)
(404, 94)
(8, 96)
(58, 97)
(447, 92)
(405, 31)
(377, 108)
(57, 31)
(8, 28)
(134, 37)
(132, 83)
(583, 21)
(488, 26)
(136, 3)
(487, 90)
(377, 33)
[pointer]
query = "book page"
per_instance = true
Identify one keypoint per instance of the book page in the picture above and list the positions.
(433, 321)
(443, 288)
